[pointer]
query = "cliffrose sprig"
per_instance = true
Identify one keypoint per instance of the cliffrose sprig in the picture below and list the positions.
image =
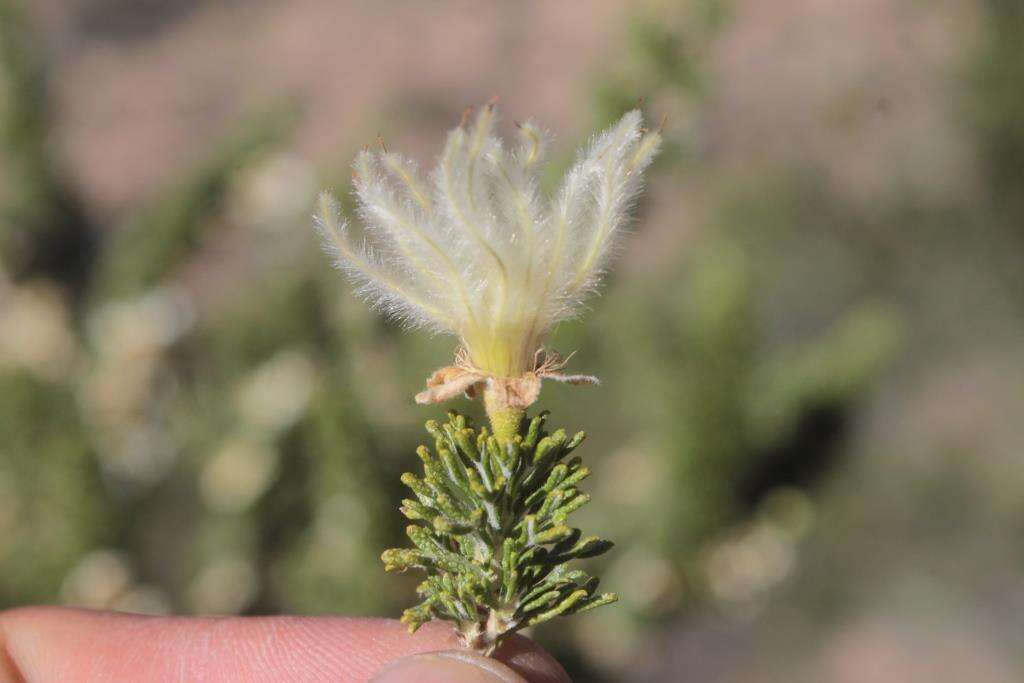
(478, 252)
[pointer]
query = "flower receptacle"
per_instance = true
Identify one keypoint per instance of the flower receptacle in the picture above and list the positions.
(505, 420)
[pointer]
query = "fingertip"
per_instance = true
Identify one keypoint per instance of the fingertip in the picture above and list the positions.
(452, 666)
(518, 660)
(531, 661)
(517, 653)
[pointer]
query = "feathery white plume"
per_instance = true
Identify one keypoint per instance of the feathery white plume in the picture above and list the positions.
(477, 251)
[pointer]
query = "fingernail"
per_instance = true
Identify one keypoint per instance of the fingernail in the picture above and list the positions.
(447, 667)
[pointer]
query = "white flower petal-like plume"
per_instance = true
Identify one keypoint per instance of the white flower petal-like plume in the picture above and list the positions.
(476, 250)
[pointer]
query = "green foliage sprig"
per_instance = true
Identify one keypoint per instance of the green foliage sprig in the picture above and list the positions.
(490, 529)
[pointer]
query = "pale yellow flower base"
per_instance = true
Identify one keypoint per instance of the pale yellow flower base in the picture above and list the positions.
(505, 420)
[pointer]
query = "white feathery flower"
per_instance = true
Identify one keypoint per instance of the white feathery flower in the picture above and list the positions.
(476, 250)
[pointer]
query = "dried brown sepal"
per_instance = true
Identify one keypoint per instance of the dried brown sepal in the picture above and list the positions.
(507, 392)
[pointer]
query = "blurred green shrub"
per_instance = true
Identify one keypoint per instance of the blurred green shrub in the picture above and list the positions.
(192, 418)
(220, 451)
(155, 457)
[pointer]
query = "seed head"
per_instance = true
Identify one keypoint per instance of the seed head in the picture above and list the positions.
(477, 251)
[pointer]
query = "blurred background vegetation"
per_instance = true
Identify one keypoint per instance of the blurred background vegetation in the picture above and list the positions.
(809, 442)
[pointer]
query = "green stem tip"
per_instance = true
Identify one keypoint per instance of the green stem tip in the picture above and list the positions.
(505, 421)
